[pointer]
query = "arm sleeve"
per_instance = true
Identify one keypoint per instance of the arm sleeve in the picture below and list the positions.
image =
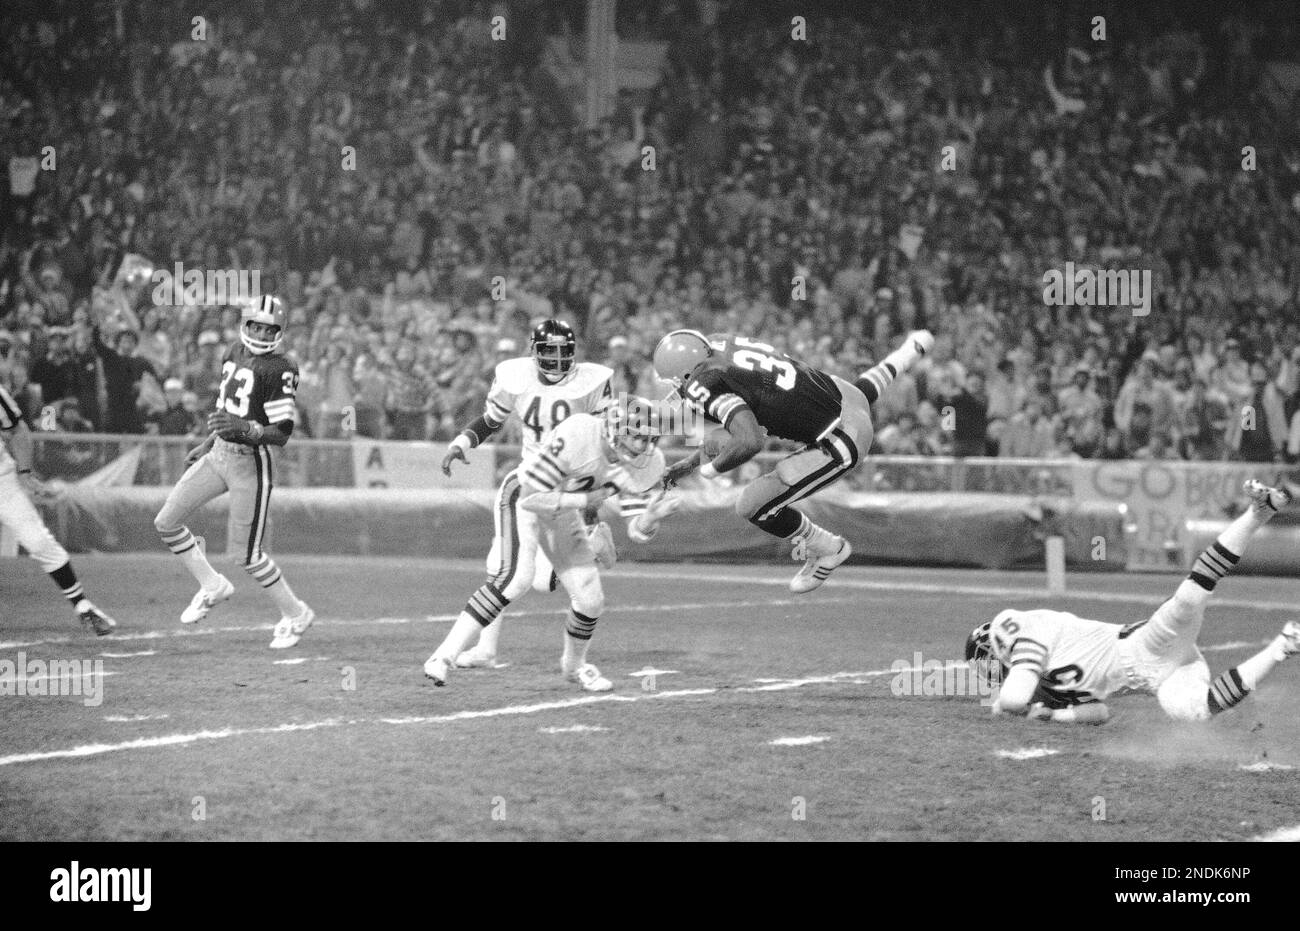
(281, 403)
(714, 396)
(480, 428)
(1017, 690)
(500, 403)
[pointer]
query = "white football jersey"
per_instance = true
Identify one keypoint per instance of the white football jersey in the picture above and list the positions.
(576, 458)
(1076, 659)
(517, 388)
(10, 416)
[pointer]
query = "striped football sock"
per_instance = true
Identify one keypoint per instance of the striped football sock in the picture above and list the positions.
(189, 548)
(67, 581)
(1212, 565)
(1227, 691)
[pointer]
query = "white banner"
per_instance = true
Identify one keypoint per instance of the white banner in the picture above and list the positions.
(386, 464)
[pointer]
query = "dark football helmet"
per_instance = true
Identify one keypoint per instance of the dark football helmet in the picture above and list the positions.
(554, 349)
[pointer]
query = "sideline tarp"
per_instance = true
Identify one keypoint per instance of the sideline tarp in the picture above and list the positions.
(941, 529)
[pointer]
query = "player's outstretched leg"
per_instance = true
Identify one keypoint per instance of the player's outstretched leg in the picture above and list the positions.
(199, 485)
(483, 607)
(1231, 687)
(33, 536)
(876, 379)
(587, 602)
(295, 615)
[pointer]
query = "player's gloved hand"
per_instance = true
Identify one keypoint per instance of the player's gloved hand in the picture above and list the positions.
(454, 453)
(602, 545)
(680, 469)
(227, 426)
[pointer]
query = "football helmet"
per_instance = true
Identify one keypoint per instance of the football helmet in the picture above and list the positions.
(982, 656)
(268, 310)
(554, 349)
(679, 353)
(632, 430)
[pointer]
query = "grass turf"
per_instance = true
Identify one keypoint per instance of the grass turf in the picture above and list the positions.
(265, 749)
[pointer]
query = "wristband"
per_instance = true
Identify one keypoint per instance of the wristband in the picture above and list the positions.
(463, 443)
(708, 471)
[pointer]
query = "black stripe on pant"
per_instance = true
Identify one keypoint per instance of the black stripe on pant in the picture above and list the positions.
(509, 534)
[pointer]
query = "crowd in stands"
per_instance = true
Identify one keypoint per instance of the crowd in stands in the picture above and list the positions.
(419, 195)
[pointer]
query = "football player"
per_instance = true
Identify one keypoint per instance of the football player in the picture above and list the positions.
(753, 390)
(1059, 667)
(255, 411)
(18, 513)
(584, 460)
(542, 390)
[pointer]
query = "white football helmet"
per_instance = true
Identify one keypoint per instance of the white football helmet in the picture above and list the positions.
(267, 310)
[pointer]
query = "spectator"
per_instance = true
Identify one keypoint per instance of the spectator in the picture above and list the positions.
(128, 381)
(970, 410)
(174, 419)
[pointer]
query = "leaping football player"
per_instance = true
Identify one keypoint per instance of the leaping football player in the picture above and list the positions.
(1059, 667)
(542, 389)
(584, 460)
(755, 390)
(18, 513)
(255, 411)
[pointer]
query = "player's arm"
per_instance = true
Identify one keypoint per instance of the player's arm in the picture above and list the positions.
(1092, 712)
(495, 414)
(745, 438)
(236, 429)
(20, 445)
(541, 478)
(1017, 691)
(279, 406)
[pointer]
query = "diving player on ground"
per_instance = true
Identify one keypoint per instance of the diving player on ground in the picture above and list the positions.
(1059, 667)
(255, 410)
(17, 512)
(750, 387)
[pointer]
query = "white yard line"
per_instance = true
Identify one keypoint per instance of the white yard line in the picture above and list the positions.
(798, 741)
(1026, 753)
(129, 655)
(121, 636)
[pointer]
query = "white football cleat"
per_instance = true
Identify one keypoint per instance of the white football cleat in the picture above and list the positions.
(922, 341)
(206, 600)
(476, 658)
(1291, 638)
(817, 568)
(437, 669)
(589, 677)
(1265, 498)
(290, 629)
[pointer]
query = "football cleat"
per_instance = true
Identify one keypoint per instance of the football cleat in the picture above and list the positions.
(437, 669)
(205, 601)
(922, 341)
(476, 658)
(589, 677)
(96, 620)
(1264, 498)
(290, 629)
(1291, 638)
(816, 569)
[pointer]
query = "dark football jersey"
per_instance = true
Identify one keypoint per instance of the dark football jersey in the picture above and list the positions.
(258, 388)
(791, 400)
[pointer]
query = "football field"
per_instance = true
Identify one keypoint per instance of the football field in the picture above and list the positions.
(740, 712)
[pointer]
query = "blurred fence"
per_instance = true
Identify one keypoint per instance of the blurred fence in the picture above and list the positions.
(303, 463)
